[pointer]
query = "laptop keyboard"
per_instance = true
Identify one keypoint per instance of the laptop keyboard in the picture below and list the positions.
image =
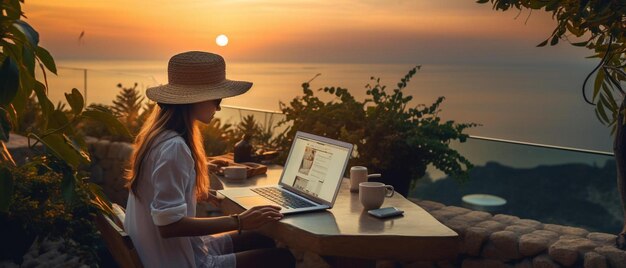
(281, 198)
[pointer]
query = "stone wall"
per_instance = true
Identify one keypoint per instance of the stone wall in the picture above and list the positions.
(109, 162)
(508, 241)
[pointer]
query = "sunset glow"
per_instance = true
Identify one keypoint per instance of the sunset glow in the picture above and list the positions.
(299, 30)
(481, 60)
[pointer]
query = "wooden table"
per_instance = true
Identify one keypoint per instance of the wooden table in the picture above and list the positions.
(346, 233)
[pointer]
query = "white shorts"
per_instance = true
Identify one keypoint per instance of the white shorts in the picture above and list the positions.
(217, 252)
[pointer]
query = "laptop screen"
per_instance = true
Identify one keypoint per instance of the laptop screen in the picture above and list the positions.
(315, 165)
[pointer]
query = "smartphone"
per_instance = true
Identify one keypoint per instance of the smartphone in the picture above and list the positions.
(385, 212)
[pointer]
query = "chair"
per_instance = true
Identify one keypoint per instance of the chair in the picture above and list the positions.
(116, 240)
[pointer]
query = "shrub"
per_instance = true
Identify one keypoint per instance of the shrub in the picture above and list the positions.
(40, 208)
(218, 138)
(391, 137)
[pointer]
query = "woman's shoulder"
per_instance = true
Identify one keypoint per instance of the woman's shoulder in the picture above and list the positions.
(170, 143)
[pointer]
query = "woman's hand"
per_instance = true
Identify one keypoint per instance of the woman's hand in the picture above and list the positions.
(258, 216)
(213, 199)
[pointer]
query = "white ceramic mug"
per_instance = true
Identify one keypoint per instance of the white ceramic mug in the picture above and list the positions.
(358, 174)
(235, 173)
(372, 194)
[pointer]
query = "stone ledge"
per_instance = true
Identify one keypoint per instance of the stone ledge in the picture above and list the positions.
(508, 241)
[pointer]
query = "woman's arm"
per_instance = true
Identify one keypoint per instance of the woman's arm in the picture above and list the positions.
(249, 219)
(191, 226)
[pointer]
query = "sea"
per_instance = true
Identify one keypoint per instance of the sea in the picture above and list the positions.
(536, 103)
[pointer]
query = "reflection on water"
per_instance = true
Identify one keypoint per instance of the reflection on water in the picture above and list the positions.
(549, 185)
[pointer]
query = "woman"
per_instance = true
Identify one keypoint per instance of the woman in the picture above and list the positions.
(169, 174)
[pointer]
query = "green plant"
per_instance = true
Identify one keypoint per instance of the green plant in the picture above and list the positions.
(262, 135)
(64, 149)
(127, 105)
(599, 26)
(247, 126)
(94, 128)
(218, 137)
(390, 136)
(30, 119)
(40, 211)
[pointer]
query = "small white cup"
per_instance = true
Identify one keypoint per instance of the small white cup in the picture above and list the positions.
(235, 173)
(372, 194)
(358, 174)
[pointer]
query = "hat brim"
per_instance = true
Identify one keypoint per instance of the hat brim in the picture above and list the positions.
(186, 94)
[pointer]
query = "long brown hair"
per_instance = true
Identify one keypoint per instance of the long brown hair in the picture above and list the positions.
(175, 117)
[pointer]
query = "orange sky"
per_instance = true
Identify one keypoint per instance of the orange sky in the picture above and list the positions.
(292, 30)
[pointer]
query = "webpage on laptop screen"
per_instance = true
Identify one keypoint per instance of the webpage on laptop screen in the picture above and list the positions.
(315, 167)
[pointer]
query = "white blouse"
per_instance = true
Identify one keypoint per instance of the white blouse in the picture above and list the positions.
(166, 194)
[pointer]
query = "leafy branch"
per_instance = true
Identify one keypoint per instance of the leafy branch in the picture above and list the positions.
(599, 26)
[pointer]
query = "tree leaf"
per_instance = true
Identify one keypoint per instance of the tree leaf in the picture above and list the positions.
(56, 144)
(536, 4)
(9, 81)
(5, 155)
(76, 101)
(46, 59)
(58, 121)
(602, 113)
(68, 187)
(555, 40)
(31, 35)
(543, 44)
(26, 87)
(81, 150)
(46, 105)
(99, 199)
(574, 30)
(6, 189)
(5, 125)
(28, 60)
(13, 9)
(17, 36)
(581, 44)
(597, 84)
(12, 115)
(609, 98)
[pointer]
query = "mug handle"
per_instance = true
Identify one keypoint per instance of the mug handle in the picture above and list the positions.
(389, 189)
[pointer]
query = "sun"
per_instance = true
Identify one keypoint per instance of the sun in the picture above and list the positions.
(221, 40)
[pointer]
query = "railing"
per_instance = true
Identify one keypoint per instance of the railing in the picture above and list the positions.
(264, 118)
(546, 183)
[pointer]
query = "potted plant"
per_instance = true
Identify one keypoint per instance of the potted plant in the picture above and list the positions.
(390, 136)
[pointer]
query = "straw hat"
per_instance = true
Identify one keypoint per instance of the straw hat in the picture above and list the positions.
(196, 76)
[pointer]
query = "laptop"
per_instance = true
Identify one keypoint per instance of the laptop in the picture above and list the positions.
(310, 179)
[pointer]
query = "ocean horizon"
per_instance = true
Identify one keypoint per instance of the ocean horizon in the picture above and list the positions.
(537, 103)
